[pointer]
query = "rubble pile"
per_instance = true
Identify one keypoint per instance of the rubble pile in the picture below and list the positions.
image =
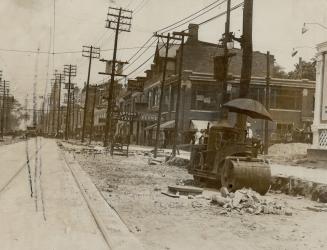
(247, 201)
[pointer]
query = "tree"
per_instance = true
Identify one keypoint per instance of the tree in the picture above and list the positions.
(307, 71)
(279, 72)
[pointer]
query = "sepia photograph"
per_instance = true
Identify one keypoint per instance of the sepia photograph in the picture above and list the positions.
(163, 125)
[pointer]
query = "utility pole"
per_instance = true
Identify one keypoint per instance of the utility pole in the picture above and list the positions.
(26, 114)
(179, 84)
(161, 92)
(53, 104)
(267, 103)
(35, 87)
(70, 71)
(300, 68)
(246, 60)
(226, 39)
(2, 103)
(48, 114)
(92, 53)
(93, 108)
(120, 21)
(59, 76)
(7, 113)
(4, 87)
(73, 115)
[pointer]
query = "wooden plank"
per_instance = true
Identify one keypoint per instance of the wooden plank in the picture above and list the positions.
(170, 195)
(185, 189)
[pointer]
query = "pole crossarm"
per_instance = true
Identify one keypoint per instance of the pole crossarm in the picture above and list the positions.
(120, 20)
(91, 51)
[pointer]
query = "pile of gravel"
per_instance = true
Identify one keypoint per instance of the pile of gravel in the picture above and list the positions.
(248, 201)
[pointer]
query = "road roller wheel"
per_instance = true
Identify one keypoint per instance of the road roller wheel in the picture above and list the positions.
(243, 172)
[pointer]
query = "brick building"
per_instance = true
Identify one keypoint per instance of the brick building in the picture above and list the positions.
(291, 100)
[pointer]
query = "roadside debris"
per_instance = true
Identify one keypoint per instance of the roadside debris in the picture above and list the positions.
(171, 195)
(247, 201)
(178, 162)
(185, 190)
(154, 161)
(318, 208)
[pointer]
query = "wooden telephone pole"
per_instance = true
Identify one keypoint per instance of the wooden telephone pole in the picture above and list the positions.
(4, 86)
(70, 71)
(267, 103)
(93, 109)
(120, 21)
(53, 103)
(92, 53)
(176, 136)
(226, 39)
(161, 92)
(59, 77)
(246, 59)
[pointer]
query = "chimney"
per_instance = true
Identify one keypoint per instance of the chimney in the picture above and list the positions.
(193, 31)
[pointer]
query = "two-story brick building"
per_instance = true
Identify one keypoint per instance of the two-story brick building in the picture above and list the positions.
(291, 101)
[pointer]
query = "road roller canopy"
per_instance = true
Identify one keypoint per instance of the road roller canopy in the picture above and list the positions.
(249, 107)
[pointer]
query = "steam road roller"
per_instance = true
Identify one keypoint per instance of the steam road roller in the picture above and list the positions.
(229, 158)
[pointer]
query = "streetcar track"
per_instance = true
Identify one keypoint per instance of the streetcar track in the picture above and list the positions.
(94, 215)
(35, 174)
(28, 167)
(19, 170)
(40, 184)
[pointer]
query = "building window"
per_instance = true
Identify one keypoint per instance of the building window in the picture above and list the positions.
(282, 98)
(257, 94)
(204, 97)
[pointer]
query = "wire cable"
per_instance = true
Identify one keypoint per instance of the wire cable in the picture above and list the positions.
(132, 62)
(195, 13)
(197, 16)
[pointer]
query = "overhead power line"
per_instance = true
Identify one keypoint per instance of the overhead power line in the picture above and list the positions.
(195, 17)
(221, 14)
(171, 25)
(204, 22)
(195, 13)
(132, 62)
(168, 28)
(63, 52)
(148, 59)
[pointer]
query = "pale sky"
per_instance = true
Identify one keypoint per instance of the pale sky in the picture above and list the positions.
(25, 25)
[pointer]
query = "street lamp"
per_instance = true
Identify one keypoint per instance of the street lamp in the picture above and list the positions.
(305, 29)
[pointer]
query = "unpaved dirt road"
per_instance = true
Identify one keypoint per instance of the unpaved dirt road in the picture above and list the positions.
(134, 188)
(41, 206)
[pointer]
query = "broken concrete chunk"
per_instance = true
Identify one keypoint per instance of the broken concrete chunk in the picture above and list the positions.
(221, 201)
(224, 192)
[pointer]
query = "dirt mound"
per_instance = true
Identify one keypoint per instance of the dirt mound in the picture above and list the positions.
(287, 149)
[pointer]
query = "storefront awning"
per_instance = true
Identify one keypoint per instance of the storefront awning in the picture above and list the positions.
(165, 125)
(200, 124)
